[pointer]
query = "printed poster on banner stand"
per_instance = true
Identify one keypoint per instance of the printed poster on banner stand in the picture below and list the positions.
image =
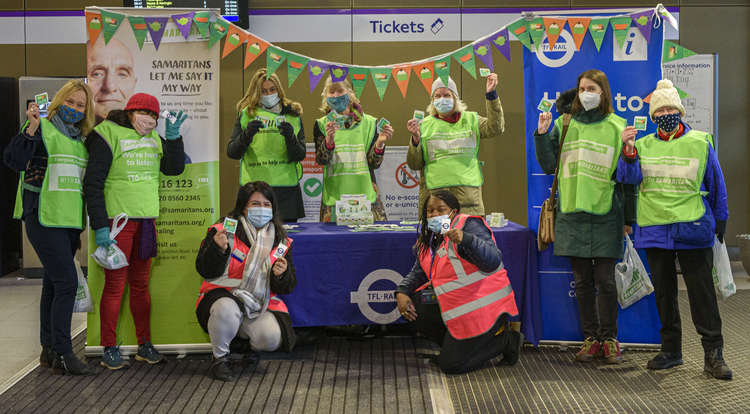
(312, 185)
(184, 75)
(547, 74)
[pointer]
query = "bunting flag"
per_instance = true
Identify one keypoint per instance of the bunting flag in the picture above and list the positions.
(338, 73)
(620, 25)
(465, 56)
(501, 41)
(380, 77)
(93, 25)
(519, 29)
(578, 27)
(274, 58)
(111, 23)
(316, 71)
(138, 24)
(217, 31)
(673, 51)
(359, 77)
(202, 20)
(598, 28)
(255, 48)
(156, 26)
(402, 74)
(643, 22)
(554, 28)
(536, 31)
(426, 74)
(483, 50)
(184, 22)
(235, 38)
(443, 68)
(295, 64)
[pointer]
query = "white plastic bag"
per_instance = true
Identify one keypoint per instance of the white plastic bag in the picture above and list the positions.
(631, 277)
(83, 297)
(111, 257)
(722, 271)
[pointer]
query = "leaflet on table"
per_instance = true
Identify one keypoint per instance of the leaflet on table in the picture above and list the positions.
(353, 209)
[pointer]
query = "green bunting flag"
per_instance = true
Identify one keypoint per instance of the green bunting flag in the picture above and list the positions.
(274, 58)
(380, 77)
(202, 20)
(673, 51)
(620, 25)
(536, 31)
(443, 68)
(359, 77)
(519, 29)
(465, 56)
(597, 29)
(111, 23)
(218, 30)
(138, 24)
(295, 64)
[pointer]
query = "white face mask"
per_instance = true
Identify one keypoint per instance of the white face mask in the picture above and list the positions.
(143, 124)
(590, 100)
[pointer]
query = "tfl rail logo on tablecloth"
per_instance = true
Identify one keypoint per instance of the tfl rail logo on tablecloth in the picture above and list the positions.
(363, 297)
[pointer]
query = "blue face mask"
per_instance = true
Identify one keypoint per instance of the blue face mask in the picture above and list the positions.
(259, 216)
(69, 115)
(339, 103)
(434, 224)
(443, 105)
(269, 101)
(668, 123)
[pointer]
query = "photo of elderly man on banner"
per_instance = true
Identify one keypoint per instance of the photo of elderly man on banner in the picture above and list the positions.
(626, 50)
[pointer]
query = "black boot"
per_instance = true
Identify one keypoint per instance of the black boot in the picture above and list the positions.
(70, 364)
(221, 369)
(714, 365)
(46, 357)
(512, 348)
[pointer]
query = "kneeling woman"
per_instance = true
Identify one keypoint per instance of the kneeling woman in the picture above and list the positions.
(243, 272)
(458, 293)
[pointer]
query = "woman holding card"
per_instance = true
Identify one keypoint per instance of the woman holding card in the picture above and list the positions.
(50, 154)
(127, 156)
(349, 144)
(458, 293)
(446, 143)
(592, 210)
(245, 261)
(682, 204)
(269, 140)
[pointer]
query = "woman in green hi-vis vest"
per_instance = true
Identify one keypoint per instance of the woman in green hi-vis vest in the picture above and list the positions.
(269, 140)
(50, 154)
(349, 147)
(593, 210)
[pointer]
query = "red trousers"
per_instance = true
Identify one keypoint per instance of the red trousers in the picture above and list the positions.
(136, 274)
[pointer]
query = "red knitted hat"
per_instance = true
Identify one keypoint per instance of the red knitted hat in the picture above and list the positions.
(143, 101)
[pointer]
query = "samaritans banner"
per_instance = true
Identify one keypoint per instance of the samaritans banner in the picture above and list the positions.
(547, 73)
(184, 76)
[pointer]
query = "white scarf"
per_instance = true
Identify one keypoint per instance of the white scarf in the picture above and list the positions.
(255, 286)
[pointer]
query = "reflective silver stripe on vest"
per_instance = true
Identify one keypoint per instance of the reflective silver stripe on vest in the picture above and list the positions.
(477, 304)
(463, 278)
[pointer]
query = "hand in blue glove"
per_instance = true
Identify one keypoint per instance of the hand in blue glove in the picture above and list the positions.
(102, 237)
(172, 129)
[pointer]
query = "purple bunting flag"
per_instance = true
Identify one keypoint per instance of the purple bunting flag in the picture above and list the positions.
(156, 26)
(643, 21)
(339, 73)
(316, 71)
(184, 22)
(501, 41)
(483, 50)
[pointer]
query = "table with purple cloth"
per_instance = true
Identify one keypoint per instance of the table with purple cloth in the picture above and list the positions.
(349, 278)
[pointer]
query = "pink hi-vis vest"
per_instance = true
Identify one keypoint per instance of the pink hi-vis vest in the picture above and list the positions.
(235, 272)
(470, 300)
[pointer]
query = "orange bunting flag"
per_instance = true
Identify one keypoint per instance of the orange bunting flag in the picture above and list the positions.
(426, 74)
(554, 28)
(402, 74)
(578, 27)
(93, 25)
(235, 37)
(255, 48)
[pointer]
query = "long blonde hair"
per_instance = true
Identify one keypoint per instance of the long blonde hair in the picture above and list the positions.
(458, 106)
(74, 85)
(255, 90)
(331, 87)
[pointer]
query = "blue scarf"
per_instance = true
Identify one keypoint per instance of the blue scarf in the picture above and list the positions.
(69, 130)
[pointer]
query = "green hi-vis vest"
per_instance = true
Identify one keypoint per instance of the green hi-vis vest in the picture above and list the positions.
(61, 195)
(450, 151)
(348, 171)
(587, 161)
(266, 159)
(672, 174)
(132, 186)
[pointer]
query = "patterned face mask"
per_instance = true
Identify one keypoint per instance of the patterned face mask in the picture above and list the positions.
(668, 123)
(69, 115)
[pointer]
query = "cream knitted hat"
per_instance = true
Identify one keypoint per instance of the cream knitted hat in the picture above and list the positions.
(665, 95)
(438, 83)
